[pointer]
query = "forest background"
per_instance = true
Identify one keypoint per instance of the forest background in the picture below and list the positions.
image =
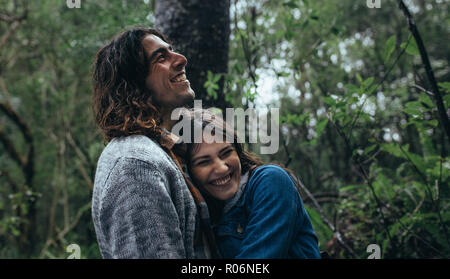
(363, 94)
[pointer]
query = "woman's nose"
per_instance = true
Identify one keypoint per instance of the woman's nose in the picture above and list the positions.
(220, 167)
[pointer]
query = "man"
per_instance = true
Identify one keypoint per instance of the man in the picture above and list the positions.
(141, 205)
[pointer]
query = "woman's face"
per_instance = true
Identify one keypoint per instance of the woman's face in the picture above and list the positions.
(216, 168)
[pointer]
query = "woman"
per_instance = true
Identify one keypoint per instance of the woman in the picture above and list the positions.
(256, 210)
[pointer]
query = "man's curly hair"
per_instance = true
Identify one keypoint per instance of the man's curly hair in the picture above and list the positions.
(122, 103)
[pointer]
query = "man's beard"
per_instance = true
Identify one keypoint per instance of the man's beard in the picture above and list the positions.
(185, 102)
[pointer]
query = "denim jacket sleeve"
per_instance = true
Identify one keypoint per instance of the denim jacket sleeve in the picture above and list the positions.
(275, 213)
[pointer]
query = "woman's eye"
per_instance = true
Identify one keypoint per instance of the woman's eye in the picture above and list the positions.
(202, 163)
(227, 152)
(161, 57)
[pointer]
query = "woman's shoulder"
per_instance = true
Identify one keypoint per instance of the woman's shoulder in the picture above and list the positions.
(270, 171)
(270, 178)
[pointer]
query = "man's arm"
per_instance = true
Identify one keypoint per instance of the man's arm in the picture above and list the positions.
(138, 218)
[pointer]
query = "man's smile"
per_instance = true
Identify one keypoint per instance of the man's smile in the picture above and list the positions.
(179, 78)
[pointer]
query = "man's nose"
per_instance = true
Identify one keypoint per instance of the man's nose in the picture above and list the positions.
(179, 61)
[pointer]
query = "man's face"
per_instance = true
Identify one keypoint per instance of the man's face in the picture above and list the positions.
(167, 77)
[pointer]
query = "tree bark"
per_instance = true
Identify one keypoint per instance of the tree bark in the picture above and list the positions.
(199, 30)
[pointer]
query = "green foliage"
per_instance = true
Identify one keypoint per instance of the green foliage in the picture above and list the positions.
(390, 47)
(45, 66)
(355, 128)
(323, 231)
(411, 47)
(356, 125)
(211, 84)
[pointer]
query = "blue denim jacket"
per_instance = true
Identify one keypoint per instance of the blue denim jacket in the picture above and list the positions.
(266, 219)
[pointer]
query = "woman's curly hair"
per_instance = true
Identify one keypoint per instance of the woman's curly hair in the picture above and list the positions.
(122, 103)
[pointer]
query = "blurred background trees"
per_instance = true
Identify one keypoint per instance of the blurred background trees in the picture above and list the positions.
(359, 123)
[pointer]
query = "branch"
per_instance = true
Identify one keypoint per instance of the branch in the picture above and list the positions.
(5, 91)
(378, 85)
(429, 71)
(26, 239)
(12, 18)
(435, 203)
(11, 150)
(423, 89)
(14, 187)
(246, 50)
(366, 177)
(325, 219)
(287, 151)
(60, 236)
(15, 22)
(83, 158)
(27, 164)
(8, 110)
(80, 213)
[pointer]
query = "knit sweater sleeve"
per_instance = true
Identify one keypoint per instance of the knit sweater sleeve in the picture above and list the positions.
(137, 216)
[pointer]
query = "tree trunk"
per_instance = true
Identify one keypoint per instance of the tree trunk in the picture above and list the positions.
(199, 30)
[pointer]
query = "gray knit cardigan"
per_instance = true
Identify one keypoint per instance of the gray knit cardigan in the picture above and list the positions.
(141, 205)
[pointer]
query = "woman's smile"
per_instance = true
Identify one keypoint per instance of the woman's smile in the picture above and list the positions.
(221, 181)
(216, 168)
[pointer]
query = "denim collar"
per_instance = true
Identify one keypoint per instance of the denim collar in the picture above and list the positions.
(232, 202)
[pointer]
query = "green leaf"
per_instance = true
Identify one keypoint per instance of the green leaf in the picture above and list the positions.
(290, 4)
(368, 82)
(359, 78)
(445, 86)
(413, 108)
(446, 100)
(216, 78)
(389, 47)
(238, 68)
(424, 98)
(319, 226)
(434, 123)
(351, 87)
(371, 89)
(350, 187)
(283, 74)
(383, 186)
(417, 161)
(14, 231)
(322, 124)
(314, 15)
(330, 101)
(368, 149)
(412, 47)
(393, 149)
